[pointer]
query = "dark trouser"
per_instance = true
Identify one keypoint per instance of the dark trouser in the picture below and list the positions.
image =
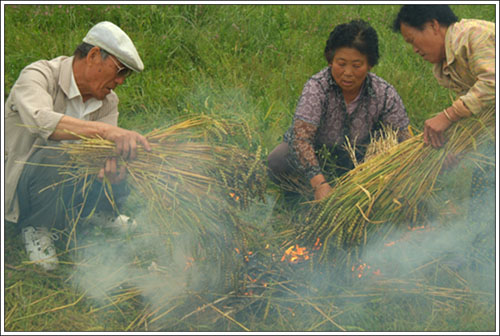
(41, 203)
(286, 175)
(279, 164)
(282, 170)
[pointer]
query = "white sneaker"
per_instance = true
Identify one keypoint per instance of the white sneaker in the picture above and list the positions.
(39, 247)
(124, 223)
(108, 221)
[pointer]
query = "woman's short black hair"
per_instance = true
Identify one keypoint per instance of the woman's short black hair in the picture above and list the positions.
(356, 34)
(417, 16)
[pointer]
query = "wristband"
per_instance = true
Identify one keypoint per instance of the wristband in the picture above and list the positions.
(447, 115)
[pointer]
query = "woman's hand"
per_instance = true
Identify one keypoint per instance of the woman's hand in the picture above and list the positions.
(434, 130)
(322, 191)
(320, 186)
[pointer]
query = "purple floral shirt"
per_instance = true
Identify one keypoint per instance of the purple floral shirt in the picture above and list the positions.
(321, 117)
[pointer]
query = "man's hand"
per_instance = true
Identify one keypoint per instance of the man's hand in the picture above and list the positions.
(110, 170)
(434, 130)
(126, 141)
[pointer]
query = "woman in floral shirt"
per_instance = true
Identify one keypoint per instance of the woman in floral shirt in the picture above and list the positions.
(342, 100)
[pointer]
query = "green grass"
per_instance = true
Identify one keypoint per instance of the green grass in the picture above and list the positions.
(249, 63)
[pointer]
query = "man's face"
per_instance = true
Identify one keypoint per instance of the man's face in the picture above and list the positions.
(104, 76)
(428, 42)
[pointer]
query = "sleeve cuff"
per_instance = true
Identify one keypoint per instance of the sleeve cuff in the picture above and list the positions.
(460, 109)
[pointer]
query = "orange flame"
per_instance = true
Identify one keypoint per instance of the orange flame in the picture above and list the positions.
(295, 253)
(360, 270)
(317, 245)
(407, 235)
(189, 263)
(251, 279)
(421, 227)
(234, 196)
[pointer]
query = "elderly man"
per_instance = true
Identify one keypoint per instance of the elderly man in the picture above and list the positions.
(52, 101)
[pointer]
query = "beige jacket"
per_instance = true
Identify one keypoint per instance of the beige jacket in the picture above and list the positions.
(469, 67)
(33, 109)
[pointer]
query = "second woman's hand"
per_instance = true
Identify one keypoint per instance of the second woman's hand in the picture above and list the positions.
(322, 191)
(434, 130)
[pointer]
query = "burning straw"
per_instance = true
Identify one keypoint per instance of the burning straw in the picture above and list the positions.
(390, 189)
(189, 182)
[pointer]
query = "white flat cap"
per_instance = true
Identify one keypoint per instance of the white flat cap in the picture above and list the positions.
(110, 37)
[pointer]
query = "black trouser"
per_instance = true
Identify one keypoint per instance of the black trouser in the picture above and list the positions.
(279, 163)
(281, 168)
(42, 203)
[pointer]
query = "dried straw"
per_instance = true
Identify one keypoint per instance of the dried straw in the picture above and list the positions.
(190, 181)
(389, 189)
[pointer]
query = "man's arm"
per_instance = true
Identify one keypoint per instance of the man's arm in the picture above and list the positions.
(126, 141)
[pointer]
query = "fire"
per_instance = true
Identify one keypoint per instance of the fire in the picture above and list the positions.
(245, 257)
(189, 263)
(251, 279)
(406, 236)
(421, 227)
(362, 269)
(234, 196)
(317, 245)
(295, 253)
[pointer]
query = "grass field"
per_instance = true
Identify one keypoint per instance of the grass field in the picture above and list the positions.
(248, 63)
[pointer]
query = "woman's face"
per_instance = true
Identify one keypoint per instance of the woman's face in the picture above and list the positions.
(349, 69)
(428, 43)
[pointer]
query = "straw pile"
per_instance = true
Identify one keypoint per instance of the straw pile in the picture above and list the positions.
(390, 189)
(190, 183)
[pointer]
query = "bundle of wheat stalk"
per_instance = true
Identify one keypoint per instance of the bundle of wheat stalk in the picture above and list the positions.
(389, 189)
(189, 182)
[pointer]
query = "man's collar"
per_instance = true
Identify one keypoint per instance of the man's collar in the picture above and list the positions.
(66, 74)
(73, 91)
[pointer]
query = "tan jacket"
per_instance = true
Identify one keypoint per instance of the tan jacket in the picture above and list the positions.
(33, 109)
(469, 67)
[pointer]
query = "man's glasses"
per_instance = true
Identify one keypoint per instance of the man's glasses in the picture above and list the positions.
(122, 71)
